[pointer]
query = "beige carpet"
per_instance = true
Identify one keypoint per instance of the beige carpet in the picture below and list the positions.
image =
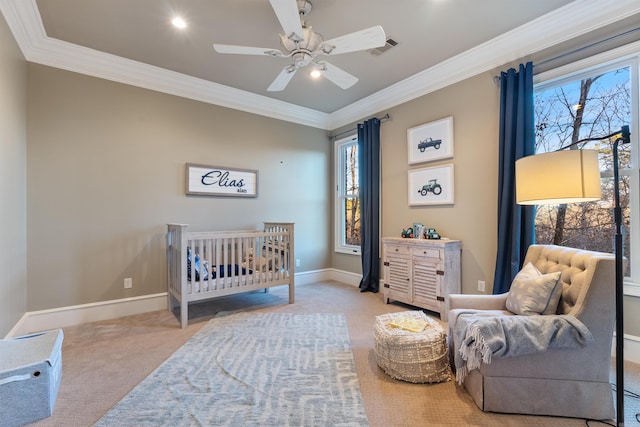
(103, 361)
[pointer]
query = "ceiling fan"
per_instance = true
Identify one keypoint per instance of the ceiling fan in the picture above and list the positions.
(306, 47)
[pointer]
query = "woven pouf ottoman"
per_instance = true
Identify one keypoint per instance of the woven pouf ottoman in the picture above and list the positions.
(412, 347)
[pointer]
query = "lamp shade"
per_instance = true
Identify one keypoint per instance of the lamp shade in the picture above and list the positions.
(568, 176)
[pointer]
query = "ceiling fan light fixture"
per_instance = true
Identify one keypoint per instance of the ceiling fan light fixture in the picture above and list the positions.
(301, 58)
(315, 73)
(178, 22)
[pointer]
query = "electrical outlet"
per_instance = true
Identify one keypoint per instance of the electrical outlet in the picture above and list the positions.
(297, 262)
(481, 285)
(128, 283)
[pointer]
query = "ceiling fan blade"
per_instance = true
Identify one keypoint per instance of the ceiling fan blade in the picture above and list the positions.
(336, 75)
(246, 50)
(289, 17)
(283, 79)
(368, 38)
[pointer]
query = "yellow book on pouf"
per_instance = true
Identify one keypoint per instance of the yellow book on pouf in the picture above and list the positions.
(410, 324)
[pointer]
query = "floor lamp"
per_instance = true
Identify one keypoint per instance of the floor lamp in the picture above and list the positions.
(573, 176)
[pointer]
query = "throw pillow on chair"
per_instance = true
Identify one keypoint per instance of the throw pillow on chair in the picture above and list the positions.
(534, 293)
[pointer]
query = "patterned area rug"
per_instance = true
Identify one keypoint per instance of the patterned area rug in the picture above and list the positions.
(252, 369)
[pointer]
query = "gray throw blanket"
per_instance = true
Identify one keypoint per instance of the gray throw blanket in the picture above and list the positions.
(484, 335)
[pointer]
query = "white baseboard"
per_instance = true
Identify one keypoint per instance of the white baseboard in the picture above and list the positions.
(42, 320)
(313, 276)
(631, 348)
(345, 277)
(20, 328)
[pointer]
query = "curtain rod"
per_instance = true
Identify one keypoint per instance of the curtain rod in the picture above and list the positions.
(334, 137)
(589, 46)
(496, 79)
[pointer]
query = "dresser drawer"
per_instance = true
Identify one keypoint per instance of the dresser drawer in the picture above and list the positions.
(426, 253)
(397, 249)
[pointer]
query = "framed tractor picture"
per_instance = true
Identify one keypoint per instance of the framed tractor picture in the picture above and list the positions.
(431, 186)
(431, 141)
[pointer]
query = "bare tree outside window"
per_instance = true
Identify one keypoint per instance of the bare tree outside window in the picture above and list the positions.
(591, 107)
(352, 197)
(347, 201)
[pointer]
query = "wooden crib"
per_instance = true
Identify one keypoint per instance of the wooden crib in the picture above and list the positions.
(210, 264)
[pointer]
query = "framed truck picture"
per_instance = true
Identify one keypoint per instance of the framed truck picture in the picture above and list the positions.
(431, 141)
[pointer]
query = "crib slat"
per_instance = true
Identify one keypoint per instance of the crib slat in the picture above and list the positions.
(199, 269)
(219, 282)
(208, 253)
(234, 262)
(225, 262)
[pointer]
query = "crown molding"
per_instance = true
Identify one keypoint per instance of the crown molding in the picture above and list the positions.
(86, 61)
(572, 20)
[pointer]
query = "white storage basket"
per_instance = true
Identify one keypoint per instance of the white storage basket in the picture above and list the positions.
(417, 357)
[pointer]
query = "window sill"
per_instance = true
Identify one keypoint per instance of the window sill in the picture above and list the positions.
(631, 289)
(348, 251)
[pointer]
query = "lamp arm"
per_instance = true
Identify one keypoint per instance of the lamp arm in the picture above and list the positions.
(625, 138)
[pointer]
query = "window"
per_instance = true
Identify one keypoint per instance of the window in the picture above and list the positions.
(588, 104)
(347, 200)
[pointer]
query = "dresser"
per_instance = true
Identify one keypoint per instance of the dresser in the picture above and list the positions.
(421, 272)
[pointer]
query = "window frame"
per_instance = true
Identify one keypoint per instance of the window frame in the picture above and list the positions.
(626, 56)
(340, 196)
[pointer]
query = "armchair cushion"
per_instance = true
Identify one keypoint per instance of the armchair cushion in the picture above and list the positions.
(534, 293)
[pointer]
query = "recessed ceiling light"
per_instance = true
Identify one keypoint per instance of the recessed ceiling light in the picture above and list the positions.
(178, 22)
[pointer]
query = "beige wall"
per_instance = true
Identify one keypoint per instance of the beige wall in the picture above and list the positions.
(106, 173)
(13, 196)
(474, 105)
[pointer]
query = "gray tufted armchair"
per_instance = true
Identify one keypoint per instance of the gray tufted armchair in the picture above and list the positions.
(560, 382)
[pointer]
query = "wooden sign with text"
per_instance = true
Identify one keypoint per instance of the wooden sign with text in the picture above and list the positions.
(205, 180)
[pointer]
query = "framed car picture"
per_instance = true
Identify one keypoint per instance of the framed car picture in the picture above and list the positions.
(431, 141)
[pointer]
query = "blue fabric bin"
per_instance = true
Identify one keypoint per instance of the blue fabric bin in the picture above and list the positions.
(30, 374)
